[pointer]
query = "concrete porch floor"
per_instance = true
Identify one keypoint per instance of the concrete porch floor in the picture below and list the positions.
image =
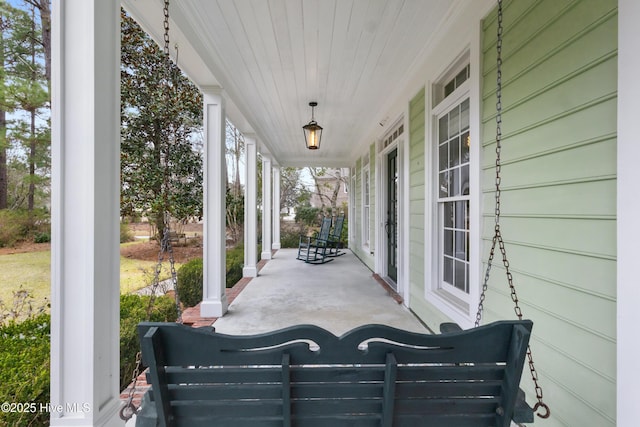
(338, 296)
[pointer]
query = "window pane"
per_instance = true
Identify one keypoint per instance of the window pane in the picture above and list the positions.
(444, 184)
(464, 148)
(464, 115)
(460, 249)
(464, 178)
(461, 215)
(454, 122)
(448, 214)
(447, 270)
(461, 77)
(449, 88)
(454, 186)
(454, 152)
(467, 250)
(460, 276)
(443, 129)
(448, 242)
(443, 157)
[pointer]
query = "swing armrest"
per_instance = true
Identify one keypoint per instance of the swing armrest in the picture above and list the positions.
(522, 412)
(148, 415)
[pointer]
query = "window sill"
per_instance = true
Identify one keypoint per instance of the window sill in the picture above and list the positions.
(451, 306)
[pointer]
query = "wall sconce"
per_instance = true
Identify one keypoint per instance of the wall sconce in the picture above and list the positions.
(312, 131)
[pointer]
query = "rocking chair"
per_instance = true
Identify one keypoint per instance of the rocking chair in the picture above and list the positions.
(314, 250)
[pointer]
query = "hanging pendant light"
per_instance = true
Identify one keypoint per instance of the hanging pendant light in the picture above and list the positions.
(312, 131)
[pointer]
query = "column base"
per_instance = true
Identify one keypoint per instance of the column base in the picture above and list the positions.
(265, 255)
(250, 271)
(109, 416)
(211, 308)
(275, 246)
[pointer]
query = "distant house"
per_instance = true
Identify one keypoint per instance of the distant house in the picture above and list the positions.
(331, 189)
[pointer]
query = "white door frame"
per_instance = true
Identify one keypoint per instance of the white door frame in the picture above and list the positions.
(381, 170)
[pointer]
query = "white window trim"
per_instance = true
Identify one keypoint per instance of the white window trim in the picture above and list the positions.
(462, 312)
(366, 222)
(352, 206)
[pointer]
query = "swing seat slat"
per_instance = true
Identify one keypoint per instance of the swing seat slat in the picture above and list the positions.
(374, 375)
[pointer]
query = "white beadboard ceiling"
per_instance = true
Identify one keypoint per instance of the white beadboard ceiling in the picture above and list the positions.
(272, 57)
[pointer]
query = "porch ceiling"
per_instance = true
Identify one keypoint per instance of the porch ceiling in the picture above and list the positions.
(273, 57)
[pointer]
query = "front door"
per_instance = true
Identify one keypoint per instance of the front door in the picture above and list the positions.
(391, 223)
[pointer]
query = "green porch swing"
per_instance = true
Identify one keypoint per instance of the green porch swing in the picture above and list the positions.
(374, 375)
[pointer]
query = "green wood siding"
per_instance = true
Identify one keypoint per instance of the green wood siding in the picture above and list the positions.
(559, 195)
(416, 199)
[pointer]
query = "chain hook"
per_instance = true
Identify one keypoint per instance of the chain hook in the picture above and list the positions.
(128, 410)
(547, 411)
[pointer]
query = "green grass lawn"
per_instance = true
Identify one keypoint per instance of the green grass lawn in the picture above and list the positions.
(31, 272)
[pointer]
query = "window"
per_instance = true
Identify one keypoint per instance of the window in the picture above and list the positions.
(453, 198)
(457, 81)
(365, 206)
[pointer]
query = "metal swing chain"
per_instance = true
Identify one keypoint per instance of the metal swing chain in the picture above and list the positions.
(497, 237)
(129, 408)
(166, 244)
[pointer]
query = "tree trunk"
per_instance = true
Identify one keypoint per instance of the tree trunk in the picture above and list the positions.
(33, 142)
(236, 137)
(4, 184)
(32, 163)
(44, 8)
(45, 19)
(4, 180)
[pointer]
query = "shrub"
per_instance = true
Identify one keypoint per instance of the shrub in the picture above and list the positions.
(190, 276)
(308, 215)
(125, 233)
(43, 237)
(190, 279)
(24, 353)
(14, 226)
(24, 369)
(234, 264)
(290, 238)
(133, 310)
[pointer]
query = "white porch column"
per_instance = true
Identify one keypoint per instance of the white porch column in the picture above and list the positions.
(250, 268)
(266, 208)
(85, 258)
(214, 298)
(276, 208)
(628, 212)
